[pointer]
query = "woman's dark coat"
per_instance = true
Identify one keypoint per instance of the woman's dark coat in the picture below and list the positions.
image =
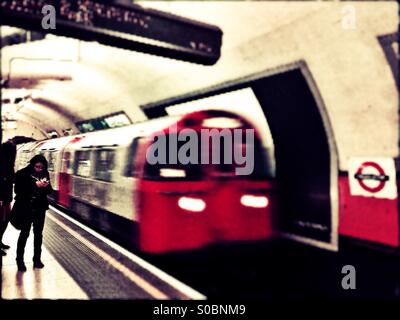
(28, 193)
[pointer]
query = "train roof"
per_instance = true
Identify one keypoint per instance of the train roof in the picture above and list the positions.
(55, 144)
(122, 136)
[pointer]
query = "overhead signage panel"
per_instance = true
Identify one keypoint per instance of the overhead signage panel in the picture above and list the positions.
(120, 24)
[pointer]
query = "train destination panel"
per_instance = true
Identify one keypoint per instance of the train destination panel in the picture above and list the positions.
(120, 24)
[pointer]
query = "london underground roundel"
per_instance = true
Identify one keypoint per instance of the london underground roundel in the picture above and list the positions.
(373, 177)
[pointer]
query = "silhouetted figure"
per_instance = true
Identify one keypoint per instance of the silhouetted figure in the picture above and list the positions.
(7, 160)
(32, 185)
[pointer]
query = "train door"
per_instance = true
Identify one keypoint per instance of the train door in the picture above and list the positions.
(128, 180)
(51, 157)
(65, 173)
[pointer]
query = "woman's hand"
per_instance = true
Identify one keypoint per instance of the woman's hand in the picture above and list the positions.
(42, 183)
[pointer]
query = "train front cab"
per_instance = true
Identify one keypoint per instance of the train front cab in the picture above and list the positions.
(188, 206)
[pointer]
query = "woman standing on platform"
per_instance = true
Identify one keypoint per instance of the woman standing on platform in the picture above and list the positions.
(32, 185)
(7, 159)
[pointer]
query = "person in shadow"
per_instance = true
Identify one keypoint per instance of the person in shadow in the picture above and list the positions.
(32, 185)
(7, 160)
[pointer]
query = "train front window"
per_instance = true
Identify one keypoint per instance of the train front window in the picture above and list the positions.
(253, 156)
(222, 159)
(171, 167)
(262, 168)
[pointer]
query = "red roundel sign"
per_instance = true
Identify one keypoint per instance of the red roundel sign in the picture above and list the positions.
(373, 181)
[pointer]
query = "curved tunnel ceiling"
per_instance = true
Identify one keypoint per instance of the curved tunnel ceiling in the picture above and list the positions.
(105, 79)
(100, 80)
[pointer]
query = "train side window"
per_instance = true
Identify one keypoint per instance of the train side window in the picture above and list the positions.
(51, 158)
(83, 164)
(263, 168)
(130, 169)
(104, 164)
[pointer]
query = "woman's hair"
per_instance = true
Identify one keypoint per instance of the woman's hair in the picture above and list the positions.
(36, 159)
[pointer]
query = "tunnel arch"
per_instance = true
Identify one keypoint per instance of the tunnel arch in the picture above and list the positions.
(310, 210)
(31, 125)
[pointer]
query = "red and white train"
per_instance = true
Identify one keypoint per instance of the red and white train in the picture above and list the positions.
(105, 179)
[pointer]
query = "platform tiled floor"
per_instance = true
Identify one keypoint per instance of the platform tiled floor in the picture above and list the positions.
(51, 282)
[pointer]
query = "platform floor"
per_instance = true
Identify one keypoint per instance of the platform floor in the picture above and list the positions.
(51, 282)
(81, 264)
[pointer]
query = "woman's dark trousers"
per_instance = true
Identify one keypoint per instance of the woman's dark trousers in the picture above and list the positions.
(38, 224)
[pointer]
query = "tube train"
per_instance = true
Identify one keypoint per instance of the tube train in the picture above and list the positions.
(104, 178)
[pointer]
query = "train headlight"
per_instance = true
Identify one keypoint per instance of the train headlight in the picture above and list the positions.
(191, 204)
(254, 201)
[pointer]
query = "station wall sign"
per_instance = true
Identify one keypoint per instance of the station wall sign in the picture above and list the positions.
(373, 177)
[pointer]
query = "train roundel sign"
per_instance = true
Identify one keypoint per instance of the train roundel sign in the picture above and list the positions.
(373, 177)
